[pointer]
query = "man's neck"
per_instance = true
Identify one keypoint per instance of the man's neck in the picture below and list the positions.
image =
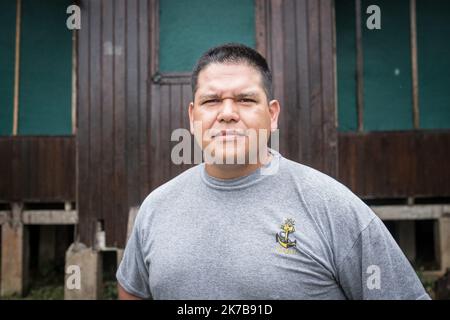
(232, 171)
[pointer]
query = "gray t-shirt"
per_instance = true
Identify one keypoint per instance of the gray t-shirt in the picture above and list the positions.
(293, 234)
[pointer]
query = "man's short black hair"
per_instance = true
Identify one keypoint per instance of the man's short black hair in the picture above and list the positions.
(234, 53)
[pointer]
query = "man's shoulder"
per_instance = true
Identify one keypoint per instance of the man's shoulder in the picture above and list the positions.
(324, 191)
(314, 180)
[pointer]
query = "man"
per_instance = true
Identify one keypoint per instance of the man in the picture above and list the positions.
(236, 230)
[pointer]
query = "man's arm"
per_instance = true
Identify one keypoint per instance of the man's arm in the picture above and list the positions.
(376, 268)
(124, 295)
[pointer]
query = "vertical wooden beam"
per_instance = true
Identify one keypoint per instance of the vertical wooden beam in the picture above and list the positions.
(415, 74)
(303, 86)
(277, 41)
(15, 253)
(17, 69)
(74, 82)
(444, 243)
(359, 68)
(260, 26)
(336, 124)
(328, 88)
(154, 36)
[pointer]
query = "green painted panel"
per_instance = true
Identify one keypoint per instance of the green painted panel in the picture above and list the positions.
(7, 50)
(433, 41)
(387, 68)
(45, 69)
(346, 65)
(188, 28)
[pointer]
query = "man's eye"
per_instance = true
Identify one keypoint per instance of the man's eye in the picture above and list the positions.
(246, 100)
(211, 101)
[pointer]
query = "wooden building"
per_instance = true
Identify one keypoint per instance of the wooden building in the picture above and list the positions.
(86, 116)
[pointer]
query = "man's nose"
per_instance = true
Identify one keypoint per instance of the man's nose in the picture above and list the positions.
(228, 111)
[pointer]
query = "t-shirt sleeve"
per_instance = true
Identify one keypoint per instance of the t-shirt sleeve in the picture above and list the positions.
(376, 268)
(132, 273)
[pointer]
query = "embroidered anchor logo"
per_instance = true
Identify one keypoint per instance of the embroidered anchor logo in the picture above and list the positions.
(283, 237)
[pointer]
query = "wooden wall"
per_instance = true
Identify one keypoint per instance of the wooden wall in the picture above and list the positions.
(113, 132)
(396, 164)
(37, 169)
(127, 110)
(298, 41)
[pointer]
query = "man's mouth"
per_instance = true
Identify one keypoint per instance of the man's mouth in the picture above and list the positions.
(228, 133)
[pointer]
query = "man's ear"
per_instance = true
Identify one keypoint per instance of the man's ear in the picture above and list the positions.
(191, 117)
(274, 110)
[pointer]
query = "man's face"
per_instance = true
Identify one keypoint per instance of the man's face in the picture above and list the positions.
(230, 103)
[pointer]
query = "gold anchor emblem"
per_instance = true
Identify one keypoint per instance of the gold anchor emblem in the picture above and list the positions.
(283, 237)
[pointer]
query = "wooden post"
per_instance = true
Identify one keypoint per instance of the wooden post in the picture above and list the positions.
(414, 68)
(443, 238)
(16, 69)
(74, 82)
(15, 253)
(359, 68)
(260, 26)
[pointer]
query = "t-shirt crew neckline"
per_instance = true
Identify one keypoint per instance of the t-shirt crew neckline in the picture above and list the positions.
(254, 177)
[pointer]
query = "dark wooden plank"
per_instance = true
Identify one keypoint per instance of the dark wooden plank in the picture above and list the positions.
(155, 143)
(303, 79)
(39, 154)
(68, 156)
(21, 170)
(143, 71)
(43, 153)
(316, 136)
(186, 98)
(276, 55)
(359, 67)
(107, 121)
(153, 90)
(120, 128)
(329, 123)
(132, 134)
(154, 36)
(176, 118)
(6, 169)
(276, 60)
(289, 128)
(41, 160)
(16, 167)
(95, 133)
(83, 116)
(163, 162)
(260, 26)
(268, 27)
